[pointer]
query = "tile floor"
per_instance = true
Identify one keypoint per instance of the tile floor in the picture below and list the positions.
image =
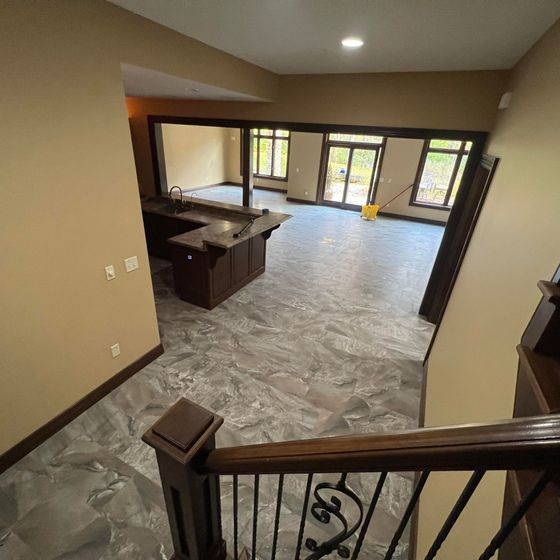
(326, 342)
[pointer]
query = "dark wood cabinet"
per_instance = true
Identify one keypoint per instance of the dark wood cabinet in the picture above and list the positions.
(206, 278)
(213, 263)
(159, 229)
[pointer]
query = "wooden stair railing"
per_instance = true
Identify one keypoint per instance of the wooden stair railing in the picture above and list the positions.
(190, 467)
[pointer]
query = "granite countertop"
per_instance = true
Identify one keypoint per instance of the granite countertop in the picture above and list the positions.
(218, 221)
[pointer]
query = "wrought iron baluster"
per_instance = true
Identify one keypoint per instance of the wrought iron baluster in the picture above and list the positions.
(407, 514)
(235, 517)
(277, 516)
(369, 515)
(255, 516)
(458, 508)
(516, 516)
(303, 515)
(324, 511)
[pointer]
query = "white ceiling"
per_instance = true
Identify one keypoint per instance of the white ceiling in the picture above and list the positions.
(143, 82)
(303, 36)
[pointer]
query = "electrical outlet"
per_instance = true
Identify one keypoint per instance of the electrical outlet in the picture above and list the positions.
(305, 193)
(131, 263)
(115, 350)
(110, 272)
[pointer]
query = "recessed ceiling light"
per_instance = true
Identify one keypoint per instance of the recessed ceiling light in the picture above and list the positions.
(193, 90)
(352, 42)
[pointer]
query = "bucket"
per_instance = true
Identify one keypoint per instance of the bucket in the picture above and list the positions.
(369, 211)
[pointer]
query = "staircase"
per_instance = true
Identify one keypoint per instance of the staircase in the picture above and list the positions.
(326, 491)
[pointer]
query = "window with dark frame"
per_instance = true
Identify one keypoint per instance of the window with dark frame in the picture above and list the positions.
(440, 173)
(271, 152)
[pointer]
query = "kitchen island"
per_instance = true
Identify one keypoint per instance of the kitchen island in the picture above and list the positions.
(215, 248)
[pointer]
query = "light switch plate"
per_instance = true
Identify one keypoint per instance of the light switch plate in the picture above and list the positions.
(110, 272)
(131, 263)
(115, 350)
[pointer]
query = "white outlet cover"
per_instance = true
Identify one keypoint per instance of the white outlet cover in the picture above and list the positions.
(110, 272)
(131, 263)
(115, 350)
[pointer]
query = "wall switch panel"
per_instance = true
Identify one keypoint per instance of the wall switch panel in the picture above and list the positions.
(131, 264)
(110, 272)
(115, 350)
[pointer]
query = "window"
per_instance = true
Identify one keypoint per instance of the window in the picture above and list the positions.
(271, 149)
(440, 173)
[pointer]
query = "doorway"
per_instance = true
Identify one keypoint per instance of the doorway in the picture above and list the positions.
(350, 169)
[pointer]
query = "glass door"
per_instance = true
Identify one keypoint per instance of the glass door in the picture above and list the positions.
(349, 175)
(360, 177)
(337, 171)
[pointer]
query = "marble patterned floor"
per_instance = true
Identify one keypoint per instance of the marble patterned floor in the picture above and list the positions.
(326, 342)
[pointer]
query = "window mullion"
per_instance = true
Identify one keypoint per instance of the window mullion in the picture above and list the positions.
(272, 155)
(459, 156)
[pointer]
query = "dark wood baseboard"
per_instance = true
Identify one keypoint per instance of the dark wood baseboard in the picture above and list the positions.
(301, 201)
(273, 189)
(39, 436)
(412, 219)
(258, 187)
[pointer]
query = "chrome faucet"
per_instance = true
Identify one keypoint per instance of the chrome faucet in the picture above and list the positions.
(171, 193)
(192, 194)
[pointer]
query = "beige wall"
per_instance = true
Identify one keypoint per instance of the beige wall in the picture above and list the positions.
(398, 171)
(305, 162)
(472, 369)
(195, 156)
(441, 100)
(73, 204)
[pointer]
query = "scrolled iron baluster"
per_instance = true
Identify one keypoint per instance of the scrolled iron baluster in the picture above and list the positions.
(324, 510)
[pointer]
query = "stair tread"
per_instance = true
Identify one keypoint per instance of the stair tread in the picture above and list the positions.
(544, 377)
(550, 291)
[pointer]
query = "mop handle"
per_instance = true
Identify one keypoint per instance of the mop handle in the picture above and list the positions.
(396, 196)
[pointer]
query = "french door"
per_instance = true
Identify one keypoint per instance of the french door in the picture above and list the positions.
(349, 174)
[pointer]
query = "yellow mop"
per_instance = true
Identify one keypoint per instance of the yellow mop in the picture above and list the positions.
(369, 211)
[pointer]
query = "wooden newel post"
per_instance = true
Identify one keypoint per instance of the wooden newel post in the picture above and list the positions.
(182, 438)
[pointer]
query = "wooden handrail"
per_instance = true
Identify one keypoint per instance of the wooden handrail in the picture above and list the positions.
(525, 443)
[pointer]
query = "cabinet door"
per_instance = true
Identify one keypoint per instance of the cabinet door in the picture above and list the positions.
(190, 270)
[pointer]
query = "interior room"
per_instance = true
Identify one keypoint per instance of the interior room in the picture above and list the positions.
(280, 280)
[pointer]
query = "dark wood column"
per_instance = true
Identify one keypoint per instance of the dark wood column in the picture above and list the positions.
(182, 438)
(247, 159)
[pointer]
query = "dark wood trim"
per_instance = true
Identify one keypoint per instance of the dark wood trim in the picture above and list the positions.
(269, 178)
(455, 242)
(237, 184)
(412, 218)
(273, 189)
(322, 169)
(430, 206)
(39, 436)
(522, 443)
(160, 156)
(258, 136)
(301, 200)
(459, 152)
(477, 137)
(247, 159)
(378, 148)
(397, 132)
(379, 168)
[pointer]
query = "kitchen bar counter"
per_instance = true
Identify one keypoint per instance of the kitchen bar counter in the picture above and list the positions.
(209, 262)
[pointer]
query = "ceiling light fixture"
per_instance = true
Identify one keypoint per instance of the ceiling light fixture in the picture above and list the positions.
(352, 42)
(194, 90)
